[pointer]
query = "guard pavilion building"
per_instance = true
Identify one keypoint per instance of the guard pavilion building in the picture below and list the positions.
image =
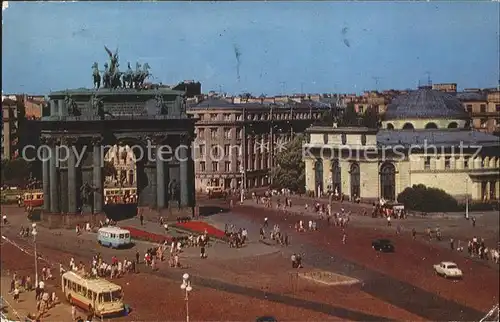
(425, 139)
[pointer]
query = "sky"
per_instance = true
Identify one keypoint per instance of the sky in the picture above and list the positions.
(258, 47)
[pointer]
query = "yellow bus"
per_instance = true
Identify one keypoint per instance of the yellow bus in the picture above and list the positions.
(92, 294)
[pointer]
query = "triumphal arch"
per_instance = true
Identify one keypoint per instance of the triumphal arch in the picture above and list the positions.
(85, 123)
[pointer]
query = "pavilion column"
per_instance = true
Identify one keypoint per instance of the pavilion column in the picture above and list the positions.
(71, 176)
(160, 177)
(46, 178)
(53, 108)
(487, 191)
(54, 198)
(184, 175)
(60, 107)
(97, 174)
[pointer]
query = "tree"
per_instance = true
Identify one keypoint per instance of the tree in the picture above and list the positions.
(290, 170)
(371, 118)
(421, 198)
(349, 117)
(16, 172)
(109, 169)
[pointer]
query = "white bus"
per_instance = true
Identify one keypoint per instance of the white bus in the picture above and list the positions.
(97, 295)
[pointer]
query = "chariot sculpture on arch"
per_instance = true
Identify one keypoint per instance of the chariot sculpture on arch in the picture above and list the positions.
(113, 78)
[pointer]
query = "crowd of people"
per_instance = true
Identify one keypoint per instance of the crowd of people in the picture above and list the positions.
(45, 299)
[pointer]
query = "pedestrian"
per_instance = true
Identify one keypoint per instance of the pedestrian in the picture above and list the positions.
(141, 217)
(413, 233)
(344, 238)
(473, 221)
(452, 244)
(389, 221)
(16, 294)
(73, 312)
(202, 251)
(266, 223)
(137, 257)
(4, 219)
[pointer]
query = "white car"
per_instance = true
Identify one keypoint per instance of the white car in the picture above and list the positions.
(448, 270)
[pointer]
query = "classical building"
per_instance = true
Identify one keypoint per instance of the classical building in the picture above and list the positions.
(483, 108)
(236, 143)
(425, 139)
(10, 128)
(124, 161)
(18, 112)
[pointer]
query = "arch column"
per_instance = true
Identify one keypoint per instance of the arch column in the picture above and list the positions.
(46, 176)
(184, 171)
(160, 172)
(70, 143)
(97, 164)
(54, 200)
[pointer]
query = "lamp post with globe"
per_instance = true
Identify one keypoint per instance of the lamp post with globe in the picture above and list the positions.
(34, 233)
(186, 286)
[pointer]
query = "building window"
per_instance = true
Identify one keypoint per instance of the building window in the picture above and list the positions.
(238, 117)
(325, 138)
(482, 108)
(344, 138)
(227, 149)
(201, 116)
(466, 163)
(202, 166)
(227, 133)
(227, 117)
(431, 126)
(363, 139)
(202, 150)
(388, 181)
(427, 163)
(215, 150)
(215, 166)
(447, 162)
(213, 133)
(238, 166)
(238, 134)
(408, 126)
(213, 117)
(469, 108)
(453, 125)
(390, 126)
(201, 133)
(227, 166)
(497, 107)
(355, 181)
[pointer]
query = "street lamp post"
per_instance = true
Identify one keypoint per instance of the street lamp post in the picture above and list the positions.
(186, 286)
(34, 233)
(242, 186)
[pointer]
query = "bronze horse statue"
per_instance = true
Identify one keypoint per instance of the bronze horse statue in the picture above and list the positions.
(96, 75)
(141, 75)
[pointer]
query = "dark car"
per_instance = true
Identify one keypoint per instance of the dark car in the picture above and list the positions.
(383, 245)
(266, 318)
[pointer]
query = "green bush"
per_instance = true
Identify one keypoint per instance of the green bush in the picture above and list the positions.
(421, 198)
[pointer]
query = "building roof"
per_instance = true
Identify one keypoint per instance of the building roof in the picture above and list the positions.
(471, 96)
(438, 138)
(425, 103)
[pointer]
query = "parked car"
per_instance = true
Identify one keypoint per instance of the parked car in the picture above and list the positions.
(448, 270)
(383, 245)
